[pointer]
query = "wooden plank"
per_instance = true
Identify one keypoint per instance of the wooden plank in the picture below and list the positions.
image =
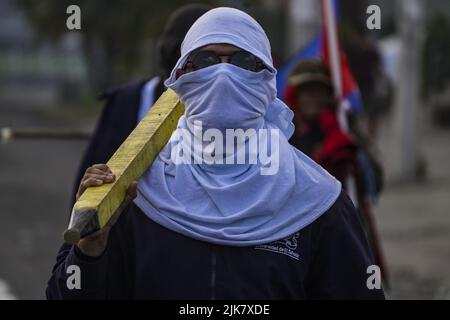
(97, 204)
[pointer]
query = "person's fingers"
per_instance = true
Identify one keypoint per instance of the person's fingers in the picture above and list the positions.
(102, 167)
(94, 244)
(105, 178)
(95, 176)
(98, 171)
(90, 182)
(132, 190)
(129, 196)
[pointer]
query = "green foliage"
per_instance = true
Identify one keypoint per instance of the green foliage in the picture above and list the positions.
(114, 32)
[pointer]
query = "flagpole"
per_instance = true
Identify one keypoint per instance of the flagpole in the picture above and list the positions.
(335, 60)
(336, 74)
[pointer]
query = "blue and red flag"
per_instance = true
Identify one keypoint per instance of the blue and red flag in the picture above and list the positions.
(326, 46)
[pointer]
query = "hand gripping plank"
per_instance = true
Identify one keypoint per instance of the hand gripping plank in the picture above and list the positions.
(97, 204)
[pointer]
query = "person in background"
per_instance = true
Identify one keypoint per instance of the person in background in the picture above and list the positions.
(126, 105)
(375, 87)
(310, 94)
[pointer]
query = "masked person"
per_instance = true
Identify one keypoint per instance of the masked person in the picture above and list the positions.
(215, 230)
(310, 94)
(126, 105)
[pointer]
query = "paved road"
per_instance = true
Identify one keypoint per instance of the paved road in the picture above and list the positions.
(415, 225)
(35, 187)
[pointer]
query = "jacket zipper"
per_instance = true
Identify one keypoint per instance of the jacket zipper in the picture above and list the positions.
(213, 274)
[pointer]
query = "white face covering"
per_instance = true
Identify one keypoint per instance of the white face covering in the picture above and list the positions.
(225, 96)
(233, 204)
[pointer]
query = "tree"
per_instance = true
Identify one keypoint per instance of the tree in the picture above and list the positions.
(113, 32)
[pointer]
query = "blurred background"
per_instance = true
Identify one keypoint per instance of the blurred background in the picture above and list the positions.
(51, 79)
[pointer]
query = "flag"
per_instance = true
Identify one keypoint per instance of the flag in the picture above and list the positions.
(326, 46)
(310, 51)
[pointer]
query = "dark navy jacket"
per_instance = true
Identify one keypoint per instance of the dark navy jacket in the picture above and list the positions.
(326, 260)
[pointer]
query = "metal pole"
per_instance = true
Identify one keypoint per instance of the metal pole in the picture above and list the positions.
(408, 99)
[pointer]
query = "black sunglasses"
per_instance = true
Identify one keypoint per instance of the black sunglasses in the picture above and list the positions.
(243, 59)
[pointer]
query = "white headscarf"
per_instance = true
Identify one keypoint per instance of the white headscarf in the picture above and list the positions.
(234, 204)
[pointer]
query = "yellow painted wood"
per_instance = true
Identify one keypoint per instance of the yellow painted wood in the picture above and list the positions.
(132, 159)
